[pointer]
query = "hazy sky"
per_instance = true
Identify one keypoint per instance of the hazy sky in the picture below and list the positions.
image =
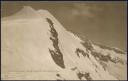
(101, 22)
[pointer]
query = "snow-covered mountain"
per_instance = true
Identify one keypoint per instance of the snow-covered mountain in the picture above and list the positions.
(35, 46)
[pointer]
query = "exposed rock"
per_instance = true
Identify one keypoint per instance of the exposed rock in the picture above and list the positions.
(56, 53)
(85, 75)
(80, 51)
(110, 48)
(87, 44)
(105, 58)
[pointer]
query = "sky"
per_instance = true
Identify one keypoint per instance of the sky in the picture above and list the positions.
(100, 22)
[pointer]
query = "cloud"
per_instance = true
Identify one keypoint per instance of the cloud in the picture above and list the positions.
(85, 9)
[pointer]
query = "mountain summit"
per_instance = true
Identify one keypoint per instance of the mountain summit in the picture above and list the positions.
(28, 12)
(35, 46)
(25, 13)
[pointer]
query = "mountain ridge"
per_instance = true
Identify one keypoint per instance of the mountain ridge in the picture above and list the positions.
(42, 43)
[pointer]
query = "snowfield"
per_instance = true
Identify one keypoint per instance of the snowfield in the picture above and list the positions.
(35, 46)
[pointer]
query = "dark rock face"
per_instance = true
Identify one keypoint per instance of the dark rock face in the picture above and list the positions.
(106, 58)
(85, 75)
(57, 58)
(58, 75)
(109, 48)
(88, 45)
(74, 68)
(82, 74)
(56, 53)
(80, 51)
(102, 58)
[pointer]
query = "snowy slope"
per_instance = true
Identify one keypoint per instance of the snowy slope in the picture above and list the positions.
(35, 46)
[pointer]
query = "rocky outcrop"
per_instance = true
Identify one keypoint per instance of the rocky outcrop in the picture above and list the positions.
(106, 58)
(85, 75)
(110, 48)
(80, 51)
(88, 45)
(56, 53)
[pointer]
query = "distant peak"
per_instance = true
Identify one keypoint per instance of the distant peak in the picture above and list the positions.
(26, 12)
(27, 9)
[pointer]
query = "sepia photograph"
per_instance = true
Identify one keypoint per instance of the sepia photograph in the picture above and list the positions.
(63, 40)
